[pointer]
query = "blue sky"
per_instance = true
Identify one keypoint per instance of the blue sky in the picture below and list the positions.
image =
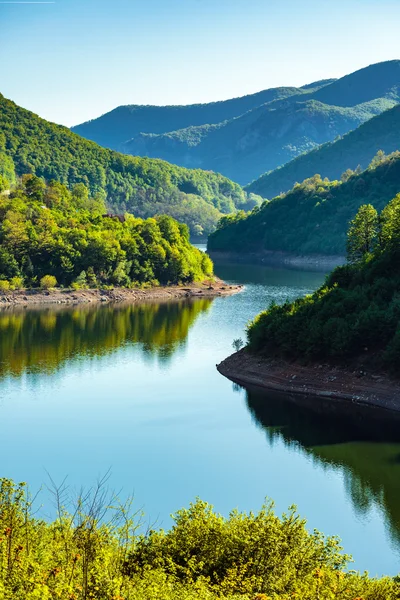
(76, 59)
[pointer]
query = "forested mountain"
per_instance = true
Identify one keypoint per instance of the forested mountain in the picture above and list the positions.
(313, 217)
(246, 137)
(141, 186)
(123, 123)
(355, 313)
(261, 139)
(333, 158)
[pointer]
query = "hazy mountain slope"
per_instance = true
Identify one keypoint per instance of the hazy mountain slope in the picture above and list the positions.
(124, 122)
(312, 218)
(264, 138)
(381, 80)
(330, 160)
(273, 134)
(141, 185)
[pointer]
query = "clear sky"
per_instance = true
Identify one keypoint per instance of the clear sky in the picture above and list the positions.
(73, 60)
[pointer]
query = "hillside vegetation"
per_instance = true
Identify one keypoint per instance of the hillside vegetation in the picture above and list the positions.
(313, 217)
(95, 549)
(331, 159)
(51, 235)
(246, 137)
(355, 315)
(141, 186)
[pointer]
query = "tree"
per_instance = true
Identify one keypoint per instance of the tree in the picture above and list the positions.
(390, 223)
(362, 234)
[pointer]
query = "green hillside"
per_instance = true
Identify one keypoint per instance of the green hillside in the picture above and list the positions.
(140, 186)
(313, 217)
(262, 139)
(356, 313)
(330, 160)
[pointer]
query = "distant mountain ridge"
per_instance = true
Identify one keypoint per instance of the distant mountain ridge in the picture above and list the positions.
(332, 159)
(246, 137)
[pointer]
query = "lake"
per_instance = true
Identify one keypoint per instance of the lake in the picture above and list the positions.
(134, 389)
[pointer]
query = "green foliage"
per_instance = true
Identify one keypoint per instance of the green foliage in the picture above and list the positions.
(358, 147)
(94, 549)
(142, 186)
(355, 316)
(362, 233)
(49, 234)
(313, 217)
(48, 282)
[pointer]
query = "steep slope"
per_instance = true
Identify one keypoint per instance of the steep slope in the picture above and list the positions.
(330, 160)
(264, 138)
(381, 80)
(142, 186)
(124, 122)
(312, 218)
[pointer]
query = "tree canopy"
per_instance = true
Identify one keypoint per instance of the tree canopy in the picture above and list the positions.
(49, 230)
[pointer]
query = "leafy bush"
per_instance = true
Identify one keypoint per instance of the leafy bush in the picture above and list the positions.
(97, 551)
(48, 282)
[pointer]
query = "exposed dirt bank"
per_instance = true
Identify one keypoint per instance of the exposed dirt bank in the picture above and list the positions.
(208, 289)
(312, 262)
(324, 382)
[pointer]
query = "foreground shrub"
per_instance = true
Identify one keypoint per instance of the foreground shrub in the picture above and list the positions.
(96, 551)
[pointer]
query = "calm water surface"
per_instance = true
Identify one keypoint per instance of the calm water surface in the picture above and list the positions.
(135, 389)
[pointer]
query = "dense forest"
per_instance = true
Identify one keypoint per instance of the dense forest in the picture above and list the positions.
(140, 186)
(313, 217)
(355, 315)
(245, 137)
(357, 148)
(50, 235)
(95, 548)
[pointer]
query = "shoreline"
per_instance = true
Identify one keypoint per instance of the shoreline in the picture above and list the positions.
(38, 297)
(311, 262)
(323, 383)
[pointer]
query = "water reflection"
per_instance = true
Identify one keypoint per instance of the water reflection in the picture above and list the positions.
(42, 340)
(362, 443)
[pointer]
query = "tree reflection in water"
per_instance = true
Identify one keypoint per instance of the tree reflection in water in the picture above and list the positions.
(363, 443)
(43, 340)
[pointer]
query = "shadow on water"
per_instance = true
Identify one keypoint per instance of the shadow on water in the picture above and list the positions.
(42, 340)
(364, 444)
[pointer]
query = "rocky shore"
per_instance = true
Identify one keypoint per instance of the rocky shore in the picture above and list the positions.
(322, 382)
(207, 289)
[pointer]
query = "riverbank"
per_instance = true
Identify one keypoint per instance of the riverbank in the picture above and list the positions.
(312, 262)
(207, 289)
(324, 382)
